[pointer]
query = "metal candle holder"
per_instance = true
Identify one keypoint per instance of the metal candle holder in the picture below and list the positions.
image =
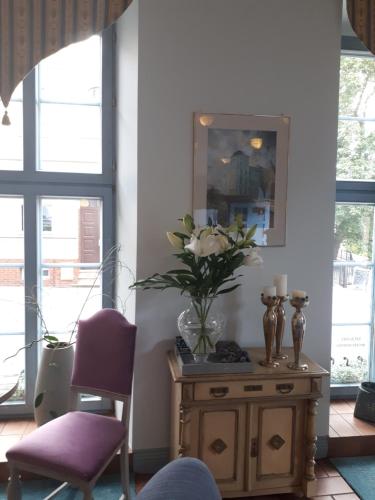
(298, 331)
(269, 327)
(280, 328)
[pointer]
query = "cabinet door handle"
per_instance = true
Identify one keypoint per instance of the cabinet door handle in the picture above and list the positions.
(284, 388)
(219, 392)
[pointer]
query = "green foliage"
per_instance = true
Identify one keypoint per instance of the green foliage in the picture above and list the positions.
(356, 138)
(354, 228)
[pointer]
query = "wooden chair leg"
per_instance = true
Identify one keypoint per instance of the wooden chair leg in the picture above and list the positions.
(124, 465)
(87, 494)
(14, 491)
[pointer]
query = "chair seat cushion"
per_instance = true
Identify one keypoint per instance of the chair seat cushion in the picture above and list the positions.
(77, 445)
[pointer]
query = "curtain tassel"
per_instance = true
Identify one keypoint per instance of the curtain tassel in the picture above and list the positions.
(5, 120)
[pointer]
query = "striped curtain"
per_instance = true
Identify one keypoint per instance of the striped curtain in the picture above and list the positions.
(31, 30)
(361, 15)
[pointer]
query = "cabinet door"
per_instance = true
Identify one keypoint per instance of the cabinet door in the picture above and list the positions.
(277, 448)
(218, 438)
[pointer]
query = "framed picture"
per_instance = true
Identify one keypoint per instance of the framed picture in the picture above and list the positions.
(240, 167)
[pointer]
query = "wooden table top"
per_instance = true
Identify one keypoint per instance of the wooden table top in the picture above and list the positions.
(8, 382)
(256, 354)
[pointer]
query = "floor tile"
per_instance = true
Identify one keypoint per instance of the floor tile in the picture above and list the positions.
(351, 403)
(341, 426)
(341, 407)
(320, 471)
(325, 497)
(31, 425)
(14, 427)
(332, 433)
(329, 469)
(332, 486)
(363, 427)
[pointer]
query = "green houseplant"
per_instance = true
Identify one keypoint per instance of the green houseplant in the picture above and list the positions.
(210, 256)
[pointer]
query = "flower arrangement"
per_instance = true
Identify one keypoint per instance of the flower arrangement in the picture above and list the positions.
(210, 254)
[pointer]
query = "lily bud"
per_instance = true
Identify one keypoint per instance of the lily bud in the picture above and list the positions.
(188, 222)
(175, 241)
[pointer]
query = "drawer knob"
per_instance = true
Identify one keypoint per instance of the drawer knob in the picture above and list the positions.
(284, 388)
(219, 392)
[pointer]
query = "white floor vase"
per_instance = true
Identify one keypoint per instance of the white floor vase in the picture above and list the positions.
(52, 388)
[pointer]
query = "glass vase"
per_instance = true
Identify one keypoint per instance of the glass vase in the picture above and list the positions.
(201, 326)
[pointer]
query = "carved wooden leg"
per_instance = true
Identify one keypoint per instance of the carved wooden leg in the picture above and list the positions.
(124, 461)
(309, 483)
(14, 491)
(87, 494)
(183, 422)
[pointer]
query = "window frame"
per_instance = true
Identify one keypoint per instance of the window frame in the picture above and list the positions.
(33, 184)
(356, 191)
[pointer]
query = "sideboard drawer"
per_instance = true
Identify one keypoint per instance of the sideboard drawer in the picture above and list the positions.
(247, 389)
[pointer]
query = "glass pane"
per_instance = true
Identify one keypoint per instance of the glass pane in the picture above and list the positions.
(352, 294)
(73, 74)
(354, 227)
(70, 138)
(70, 109)
(356, 150)
(356, 137)
(11, 137)
(12, 290)
(71, 254)
(357, 87)
(350, 354)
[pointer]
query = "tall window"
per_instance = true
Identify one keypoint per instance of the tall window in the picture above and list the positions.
(56, 171)
(354, 251)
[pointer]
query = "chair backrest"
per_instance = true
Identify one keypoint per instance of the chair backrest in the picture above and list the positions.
(104, 355)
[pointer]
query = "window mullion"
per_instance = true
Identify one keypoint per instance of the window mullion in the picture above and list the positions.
(29, 123)
(31, 232)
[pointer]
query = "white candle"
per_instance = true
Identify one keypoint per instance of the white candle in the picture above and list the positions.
(298, 294)
(280, 281)
(269, 291)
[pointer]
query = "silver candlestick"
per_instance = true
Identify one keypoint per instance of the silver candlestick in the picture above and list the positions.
(269, 327)
(298, 331)
(280, 328)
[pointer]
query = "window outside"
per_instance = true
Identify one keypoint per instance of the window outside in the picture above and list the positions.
(353, 274)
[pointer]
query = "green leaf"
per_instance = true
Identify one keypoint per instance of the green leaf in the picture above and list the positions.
(38, 400)
(250, 233)
(51, 338)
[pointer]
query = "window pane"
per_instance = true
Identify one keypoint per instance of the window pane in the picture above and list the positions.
(71, 254)
(70, 109)
(356, 150)
(11, 137)
(70, 138)
(356, 134)
(350, 354)
(12, 314)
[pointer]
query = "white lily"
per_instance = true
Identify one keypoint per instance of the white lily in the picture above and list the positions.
(175, 241)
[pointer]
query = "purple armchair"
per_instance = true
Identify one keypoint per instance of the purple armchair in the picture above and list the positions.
(76, 447)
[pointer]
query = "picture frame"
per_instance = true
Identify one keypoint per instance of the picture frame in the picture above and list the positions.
(240, 168)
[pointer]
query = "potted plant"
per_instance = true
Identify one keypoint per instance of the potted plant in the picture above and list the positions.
(52, 387)
(210, 256)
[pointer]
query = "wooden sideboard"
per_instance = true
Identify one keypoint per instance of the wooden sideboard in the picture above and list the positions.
(255, 431)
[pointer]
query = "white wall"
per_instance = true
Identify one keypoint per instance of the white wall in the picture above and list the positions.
(242, 56)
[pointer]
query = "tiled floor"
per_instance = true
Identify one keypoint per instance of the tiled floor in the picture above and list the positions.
(331, 486)
(342, 423)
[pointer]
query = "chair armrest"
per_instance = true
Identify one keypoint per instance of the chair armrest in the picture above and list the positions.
(182, 479)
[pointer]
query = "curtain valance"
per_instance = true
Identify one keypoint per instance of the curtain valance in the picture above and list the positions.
(361, 15)
(31, 30)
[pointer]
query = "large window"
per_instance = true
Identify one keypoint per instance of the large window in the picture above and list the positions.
(354, 251)
(56, 171)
